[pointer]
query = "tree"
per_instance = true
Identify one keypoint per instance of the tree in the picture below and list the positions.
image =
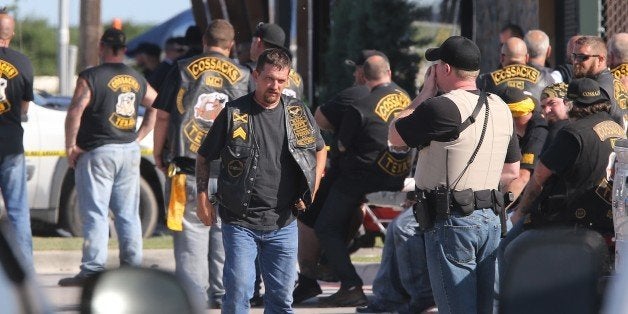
(384, 25)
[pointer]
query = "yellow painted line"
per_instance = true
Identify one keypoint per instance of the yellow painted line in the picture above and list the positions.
(44, 153)
(61, 153)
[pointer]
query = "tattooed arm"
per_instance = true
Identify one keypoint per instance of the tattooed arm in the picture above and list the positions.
(80, 100)
(206, 211)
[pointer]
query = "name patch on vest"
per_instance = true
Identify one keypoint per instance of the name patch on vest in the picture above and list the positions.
(620, 71)
(179, 100)
(394, 166)
(391, 104)
(224, 67)
(7, 69)
(301, 128)
(195, 133)
(608, 129)
(516, 71)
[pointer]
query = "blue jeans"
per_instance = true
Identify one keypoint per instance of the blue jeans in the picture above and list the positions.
(198, 252)
(108, 178)
(403, 253)
(13, 186)
(461, 252)
(277, 258)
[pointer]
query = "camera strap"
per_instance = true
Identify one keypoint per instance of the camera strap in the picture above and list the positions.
(470, 120)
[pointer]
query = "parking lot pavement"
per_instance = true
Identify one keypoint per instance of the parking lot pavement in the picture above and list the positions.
(54, 265)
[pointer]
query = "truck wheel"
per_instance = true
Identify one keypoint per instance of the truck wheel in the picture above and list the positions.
(149, 208)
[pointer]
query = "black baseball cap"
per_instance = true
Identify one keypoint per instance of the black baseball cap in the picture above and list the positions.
(271, 33)
(113, 37)
(457, 51)
(365, 54)
(585, 91)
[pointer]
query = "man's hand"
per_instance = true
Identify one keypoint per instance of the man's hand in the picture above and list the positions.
(159, 164)
(429, 84)
(205, 212)
(300, 205)
(73, 152)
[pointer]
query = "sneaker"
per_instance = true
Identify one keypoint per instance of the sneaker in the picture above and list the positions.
(76, 281)
(305, 289)
(373, 308)
(345, 297)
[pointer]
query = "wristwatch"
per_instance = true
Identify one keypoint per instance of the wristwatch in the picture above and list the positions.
(213, 200)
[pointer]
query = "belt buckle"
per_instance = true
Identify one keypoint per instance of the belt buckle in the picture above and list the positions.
(173, 170)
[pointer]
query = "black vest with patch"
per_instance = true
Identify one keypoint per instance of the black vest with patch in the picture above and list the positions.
(208, 82)
(240, 156)
(111, 116)
(525, 77)
(368, 152)
(617, 94)
(587, 200)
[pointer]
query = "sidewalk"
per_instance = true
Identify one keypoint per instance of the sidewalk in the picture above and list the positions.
(53, 265)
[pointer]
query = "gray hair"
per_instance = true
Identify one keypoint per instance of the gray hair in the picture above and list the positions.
(537, 42)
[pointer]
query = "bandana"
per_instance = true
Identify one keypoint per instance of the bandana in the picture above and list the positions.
(558, 90)
(521, 108)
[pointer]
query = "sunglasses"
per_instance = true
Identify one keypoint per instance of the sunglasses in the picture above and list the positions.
(582, 57)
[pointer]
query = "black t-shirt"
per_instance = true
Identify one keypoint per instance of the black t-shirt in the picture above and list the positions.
(552, 132)
(335, 108)
(168, 91)
(278, 175)
(16, 85)
(111, 115)
(532, 141)
(435, 120)
(562, 153)
(157, 78)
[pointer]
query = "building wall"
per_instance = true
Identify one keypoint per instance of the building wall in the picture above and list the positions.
(615, 17)
(492, 15)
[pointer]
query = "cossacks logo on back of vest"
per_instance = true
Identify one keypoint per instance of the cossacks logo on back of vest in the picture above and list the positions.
(391, 104)
(127, 86)
(224, 67)
(516, 73)
(9, 71)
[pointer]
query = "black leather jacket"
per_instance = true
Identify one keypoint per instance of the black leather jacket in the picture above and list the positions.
(240, 155)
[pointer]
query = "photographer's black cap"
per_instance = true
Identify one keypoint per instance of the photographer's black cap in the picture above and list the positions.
(113, 37)
(585, 91)
(458, 52)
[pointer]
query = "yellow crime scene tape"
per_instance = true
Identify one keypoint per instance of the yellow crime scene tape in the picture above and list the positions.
(61, 153)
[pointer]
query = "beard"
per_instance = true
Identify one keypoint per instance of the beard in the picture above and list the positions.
(271, 96)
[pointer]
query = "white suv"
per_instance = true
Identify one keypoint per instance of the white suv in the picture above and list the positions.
(51, 192)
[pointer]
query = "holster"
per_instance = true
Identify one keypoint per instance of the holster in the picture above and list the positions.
(423, 214)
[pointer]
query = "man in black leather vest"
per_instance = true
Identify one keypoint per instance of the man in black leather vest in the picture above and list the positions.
(579, 158)
(367, 166)
(272, 158)
(516, 72)
(195, 92)
(618, 57)
(590, 60)
(102, 146)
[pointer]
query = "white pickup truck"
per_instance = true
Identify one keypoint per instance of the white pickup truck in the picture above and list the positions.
(51, 192)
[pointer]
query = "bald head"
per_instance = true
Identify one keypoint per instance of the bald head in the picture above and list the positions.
(7, 26)
(618, 49)
(514, 51)
(376, 68)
